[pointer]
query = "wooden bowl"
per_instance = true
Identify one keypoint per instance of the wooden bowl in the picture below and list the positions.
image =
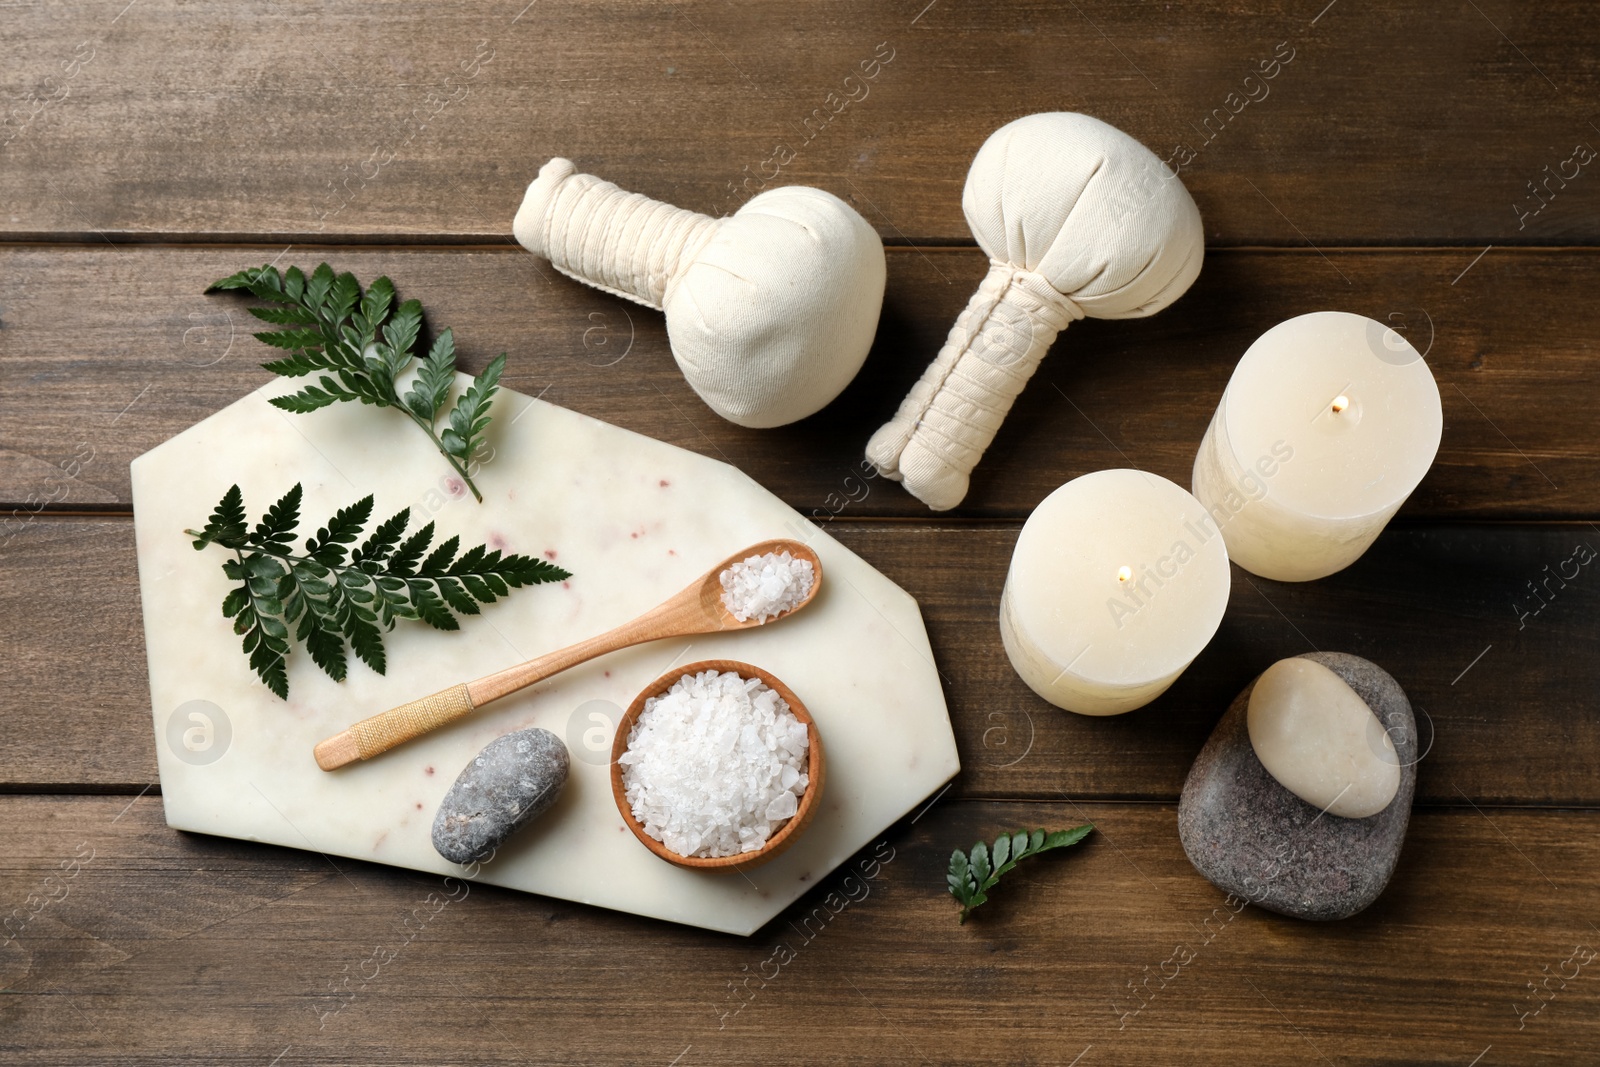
(786, 833)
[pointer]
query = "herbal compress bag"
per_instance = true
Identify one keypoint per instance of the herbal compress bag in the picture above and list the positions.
(770, 311)
(1078, 219)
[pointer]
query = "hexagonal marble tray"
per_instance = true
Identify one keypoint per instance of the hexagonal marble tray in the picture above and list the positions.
(634, 520)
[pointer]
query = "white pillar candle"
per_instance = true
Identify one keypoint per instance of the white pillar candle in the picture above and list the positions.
(1329, 422)
(1116, 584)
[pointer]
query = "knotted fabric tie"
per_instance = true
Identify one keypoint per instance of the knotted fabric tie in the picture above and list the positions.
(954, 411)
(624, 243)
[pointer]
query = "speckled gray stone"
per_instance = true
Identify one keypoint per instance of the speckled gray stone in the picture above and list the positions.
(505, 787)
(1255, 839)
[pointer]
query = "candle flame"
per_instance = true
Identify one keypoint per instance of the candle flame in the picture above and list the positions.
(1340, 402)
(1124, 573)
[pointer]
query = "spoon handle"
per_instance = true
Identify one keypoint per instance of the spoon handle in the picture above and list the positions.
(383, 731)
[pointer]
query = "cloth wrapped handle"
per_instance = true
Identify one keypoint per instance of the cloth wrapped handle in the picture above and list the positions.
(954, 411)
(379, 733)
(623, 243)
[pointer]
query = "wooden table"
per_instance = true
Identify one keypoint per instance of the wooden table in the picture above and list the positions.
(1390, 167)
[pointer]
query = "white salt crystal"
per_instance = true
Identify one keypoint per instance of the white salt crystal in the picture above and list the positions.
(715, 765)
(764, 587)
(783, 806)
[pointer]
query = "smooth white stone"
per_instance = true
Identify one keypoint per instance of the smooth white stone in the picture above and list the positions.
(1321, 741)
(635, 520)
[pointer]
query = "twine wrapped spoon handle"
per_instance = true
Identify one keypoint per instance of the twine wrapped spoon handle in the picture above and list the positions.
(698, 609)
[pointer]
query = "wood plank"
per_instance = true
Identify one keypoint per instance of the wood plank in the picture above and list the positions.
(159, 946)
(1505, 698)
(1388, 124)
(109, 353)
(77, 704)
(1504, 686)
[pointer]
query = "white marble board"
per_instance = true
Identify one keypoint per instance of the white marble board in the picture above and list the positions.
(634, 520)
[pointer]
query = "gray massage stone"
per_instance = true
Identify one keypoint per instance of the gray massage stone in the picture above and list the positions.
(1252, 837)
(506, 786)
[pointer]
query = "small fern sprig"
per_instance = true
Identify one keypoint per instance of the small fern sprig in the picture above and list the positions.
(362, 342)
(971, 877)
(334, 596)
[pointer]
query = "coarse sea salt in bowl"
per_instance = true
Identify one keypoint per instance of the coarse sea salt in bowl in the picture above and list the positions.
(695, 678)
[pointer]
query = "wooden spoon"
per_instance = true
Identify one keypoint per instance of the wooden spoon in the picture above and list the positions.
(696, 610)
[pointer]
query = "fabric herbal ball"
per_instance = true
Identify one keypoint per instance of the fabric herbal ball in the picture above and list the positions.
(1089, 208)
(1079, 220)
(770, 311)
(775, 315)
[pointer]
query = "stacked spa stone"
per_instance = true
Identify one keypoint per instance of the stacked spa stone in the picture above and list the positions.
(1250, 834)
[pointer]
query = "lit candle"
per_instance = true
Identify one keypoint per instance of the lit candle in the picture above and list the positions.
(1116, 584)
(1329, 422)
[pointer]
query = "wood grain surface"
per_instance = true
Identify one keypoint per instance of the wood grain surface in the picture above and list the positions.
(1426, 165)
(1504, 687)
(151, 945)
(110, 352)
(1291, 122)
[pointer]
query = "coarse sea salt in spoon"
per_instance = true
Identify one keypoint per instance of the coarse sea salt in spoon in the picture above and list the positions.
(766, 586)
(702, 608)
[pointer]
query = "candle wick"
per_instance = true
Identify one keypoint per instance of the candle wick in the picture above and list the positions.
(1124, 573)
(1340, 402)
